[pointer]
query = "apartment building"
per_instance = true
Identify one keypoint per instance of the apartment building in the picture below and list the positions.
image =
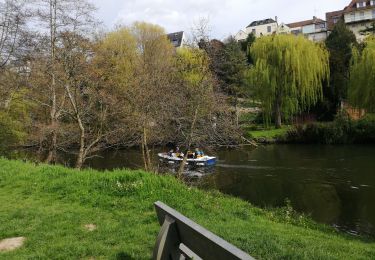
(358, 15)
(314, 29)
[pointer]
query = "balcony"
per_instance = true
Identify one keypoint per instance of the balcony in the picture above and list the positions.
(360, 16)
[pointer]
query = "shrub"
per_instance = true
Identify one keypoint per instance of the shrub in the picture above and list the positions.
(11, 132)
(341, 131)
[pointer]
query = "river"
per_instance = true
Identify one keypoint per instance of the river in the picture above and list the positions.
(333, 184)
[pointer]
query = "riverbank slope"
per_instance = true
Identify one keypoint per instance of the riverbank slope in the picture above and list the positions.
(69, 214)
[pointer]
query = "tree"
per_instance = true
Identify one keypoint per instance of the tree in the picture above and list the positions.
(90, 105)
(339, 44)
(287, 75)
(362, 77)
(196, 97)
(138, 62)
(232, 71)
(12, 19)
(246, 45)
(57, 17)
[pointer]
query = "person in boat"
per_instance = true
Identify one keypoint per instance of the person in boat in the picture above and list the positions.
(198, 153)
(178, 153)
(191, 155)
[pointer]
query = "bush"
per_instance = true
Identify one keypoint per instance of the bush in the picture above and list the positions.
(11, 132)
(341, 131)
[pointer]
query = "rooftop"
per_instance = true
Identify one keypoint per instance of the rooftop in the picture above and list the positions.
(315, 20)
(262, 22)
(353, 5)
(176, 38)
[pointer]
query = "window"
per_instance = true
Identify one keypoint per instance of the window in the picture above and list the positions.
(269, 29)
(361, 4)
(253, 31)
(335, 20)
(362, 15)
(373, 13)
(372, 3)
(352, 17)
(296, 32)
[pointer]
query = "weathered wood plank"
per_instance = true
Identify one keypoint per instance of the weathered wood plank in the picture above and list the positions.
(194, 237)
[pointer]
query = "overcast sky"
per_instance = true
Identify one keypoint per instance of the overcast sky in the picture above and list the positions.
(226, 16)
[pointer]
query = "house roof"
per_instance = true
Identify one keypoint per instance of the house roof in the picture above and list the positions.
(261, 22)
(176, 38)
(353, 6)
(306, 22)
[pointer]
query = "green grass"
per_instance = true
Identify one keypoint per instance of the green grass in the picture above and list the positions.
(271, 133)
(49, 205)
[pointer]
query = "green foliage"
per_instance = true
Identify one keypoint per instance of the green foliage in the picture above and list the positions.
(362, 77)
(50, 206)
(246, 46)
(14, 120)
(193, 66)
(339, 44)
(232, 68)
(288, 73)
(341, 131)
(11, 131)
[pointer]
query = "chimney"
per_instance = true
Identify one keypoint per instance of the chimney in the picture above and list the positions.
(276, 18)
(315, 19)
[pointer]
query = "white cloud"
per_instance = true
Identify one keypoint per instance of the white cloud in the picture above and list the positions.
(226, 16)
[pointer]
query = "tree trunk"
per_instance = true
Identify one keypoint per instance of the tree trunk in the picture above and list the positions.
(278, 112)
(81, 153)
(236, 107)
(144, 155)
(146, 151)
(189, 142)
(51, 158)
(82, 142)
(52, 150)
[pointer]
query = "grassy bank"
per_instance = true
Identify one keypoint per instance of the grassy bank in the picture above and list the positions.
(271, 133)
(50, 206)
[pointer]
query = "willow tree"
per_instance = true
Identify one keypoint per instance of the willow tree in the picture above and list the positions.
(287, 74)
(362, 77)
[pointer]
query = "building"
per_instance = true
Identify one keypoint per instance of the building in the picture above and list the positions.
(358, 16)
(262, 28)
(333, 18)
(314, 29)
(178, 39)
(283, 29)
(241, 36)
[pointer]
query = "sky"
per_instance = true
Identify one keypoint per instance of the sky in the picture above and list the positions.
(226, 17)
